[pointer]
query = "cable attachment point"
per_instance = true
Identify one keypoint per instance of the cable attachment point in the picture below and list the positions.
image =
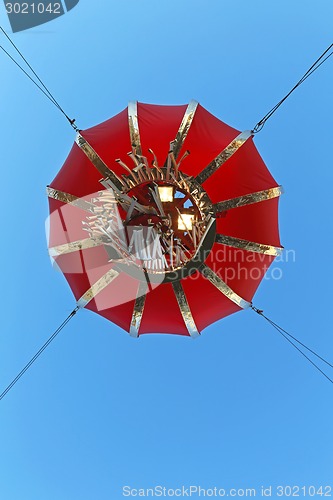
(328, 53)
(30, 73)
(72, 123)
(258, 127)
(258, 311)
(293, 340)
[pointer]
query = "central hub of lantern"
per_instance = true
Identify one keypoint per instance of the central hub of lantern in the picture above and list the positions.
(160, 223)
(166, 235)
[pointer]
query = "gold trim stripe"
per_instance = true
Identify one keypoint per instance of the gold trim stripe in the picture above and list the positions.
(97, 287)
(75, 246)
(248, 199)
(223, 156)
(134, 130)
(138, 310)
(98, 163)
(250, 246)
(223, 287)
(185, 309)
(184, 128)
(55, 194)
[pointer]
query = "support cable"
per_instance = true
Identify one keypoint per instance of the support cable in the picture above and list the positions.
(38, 353)
(27, 74)
(309, 72)
(41, 86)
(288, 337)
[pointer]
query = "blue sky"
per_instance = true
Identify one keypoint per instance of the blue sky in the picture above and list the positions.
(237, 408)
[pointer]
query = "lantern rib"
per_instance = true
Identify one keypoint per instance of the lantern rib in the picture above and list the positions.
(97, 287)
(184, 128)
(209, 274)
(138, 310)
(248, 199)
(70, 199)
(224, 156)
(249, 246)
(99, 164)
(76, 246)
(185, 309)
(133, 123)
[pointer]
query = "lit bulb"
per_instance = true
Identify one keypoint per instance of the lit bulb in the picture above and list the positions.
(166, 193)
(185, 222)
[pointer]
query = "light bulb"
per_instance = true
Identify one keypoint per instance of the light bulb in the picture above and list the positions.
(185, 222)
(166, 193)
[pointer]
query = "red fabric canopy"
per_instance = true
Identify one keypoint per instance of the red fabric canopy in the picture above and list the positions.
(244, 173)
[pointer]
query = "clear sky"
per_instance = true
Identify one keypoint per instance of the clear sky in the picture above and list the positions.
(237, 408)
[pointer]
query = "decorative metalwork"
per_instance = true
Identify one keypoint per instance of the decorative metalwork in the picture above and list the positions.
(248, 199)
(223, 156)
(55, 194)
(134, 127)
(184, 128)
(105, 222)
(184, 270)
(97, 287)
(223, 287)
(138, 310)
(76, 246)
(185, 309)
(250, 246)
(99, 164)
(155, 247)
(145, 248)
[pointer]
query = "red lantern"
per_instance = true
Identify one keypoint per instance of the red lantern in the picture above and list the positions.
(164, 219)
